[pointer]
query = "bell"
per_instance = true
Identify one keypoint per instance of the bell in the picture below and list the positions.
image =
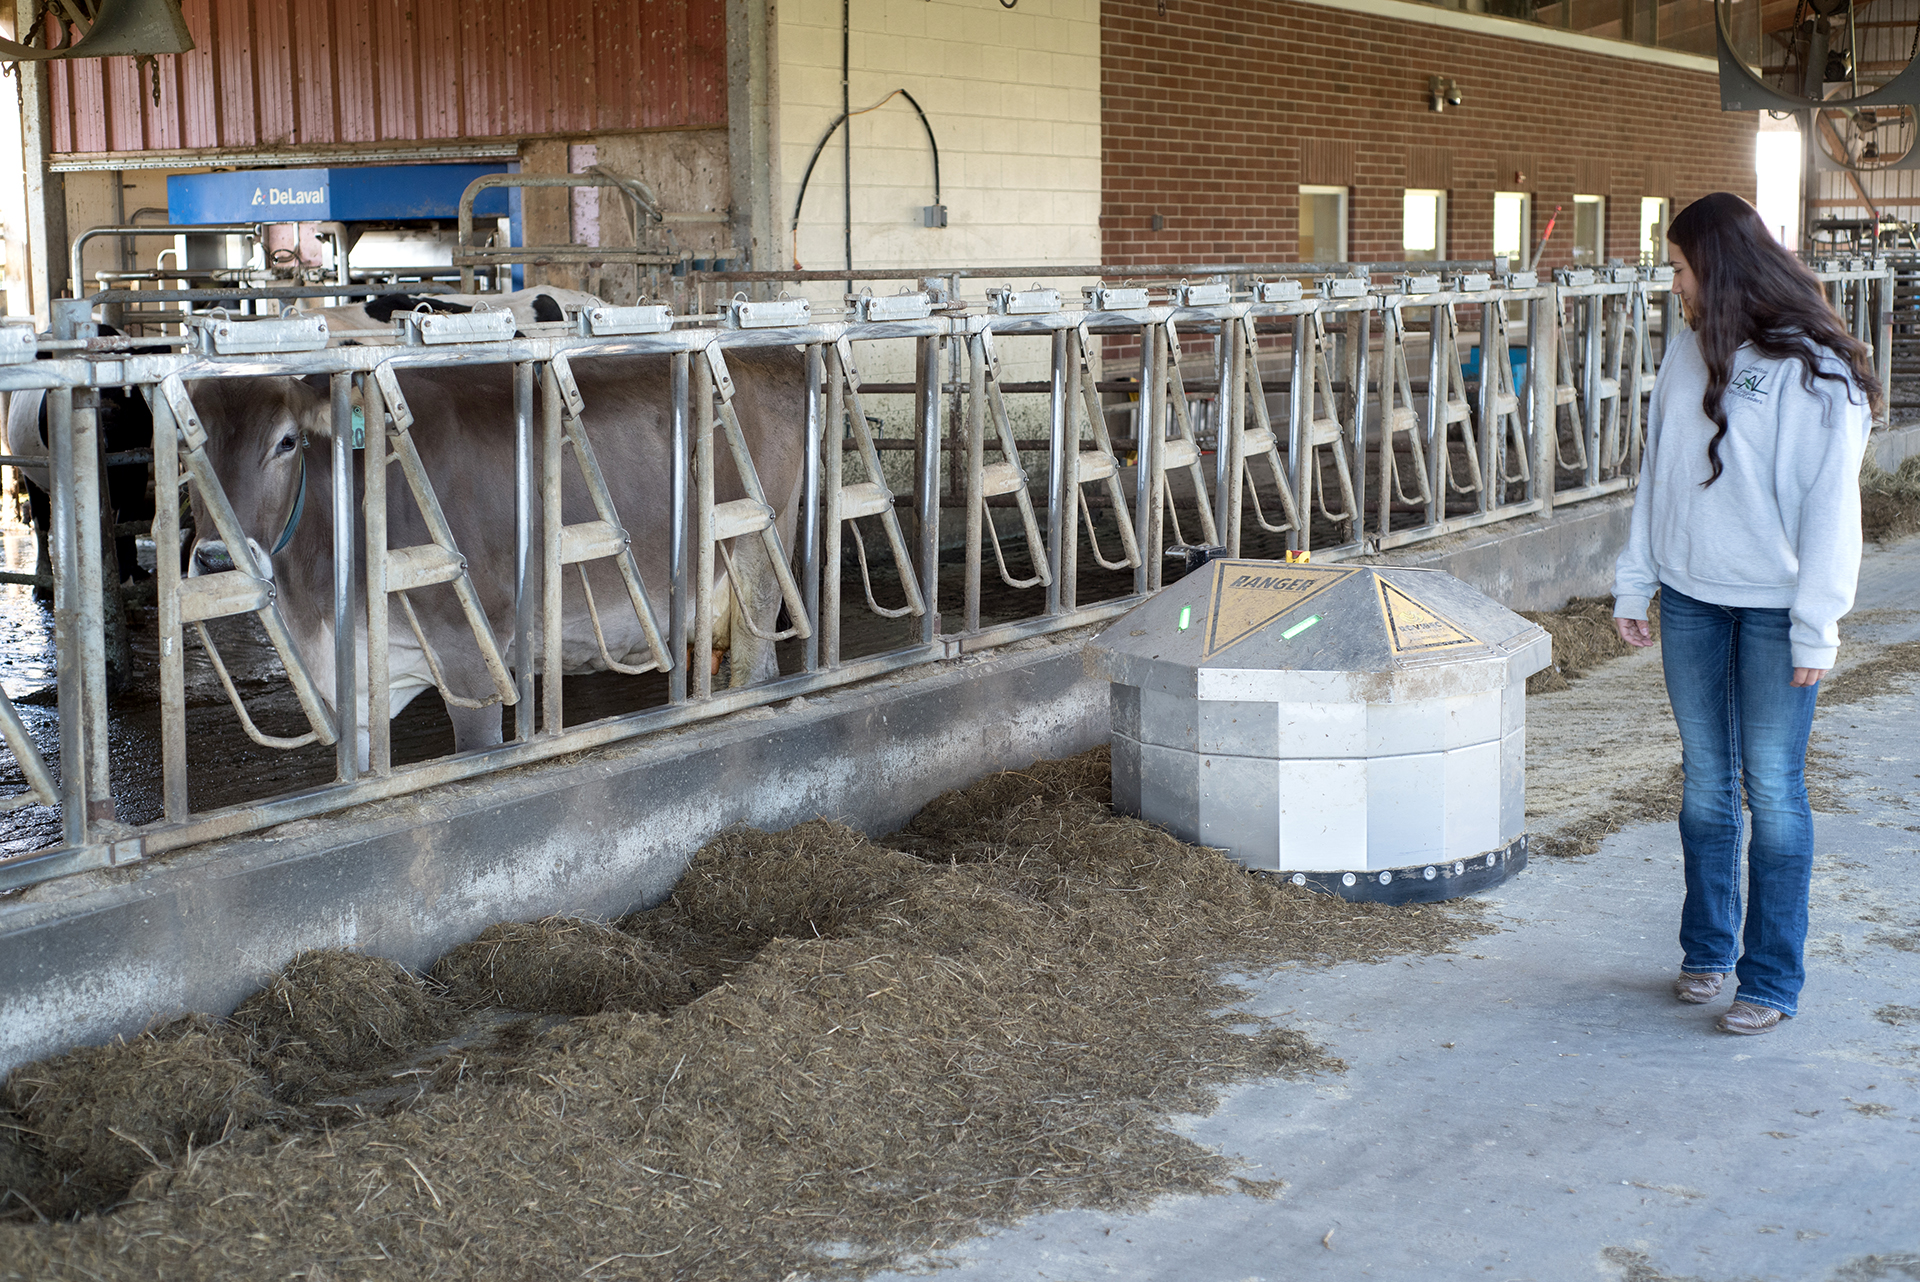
(122, 28)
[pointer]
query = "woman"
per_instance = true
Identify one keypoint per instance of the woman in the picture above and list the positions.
(1747, 521)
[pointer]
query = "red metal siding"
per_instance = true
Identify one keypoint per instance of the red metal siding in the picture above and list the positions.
(308, 73)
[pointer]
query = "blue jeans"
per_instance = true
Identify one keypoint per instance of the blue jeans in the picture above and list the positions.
(1728, 670)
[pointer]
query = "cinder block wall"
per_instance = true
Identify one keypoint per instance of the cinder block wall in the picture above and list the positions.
(1215, 111)
(1012, 94)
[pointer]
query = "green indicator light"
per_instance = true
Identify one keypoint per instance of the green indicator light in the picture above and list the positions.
(1300, 627)
(1186, 616)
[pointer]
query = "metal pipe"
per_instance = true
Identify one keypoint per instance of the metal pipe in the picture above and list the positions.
(1595, 311)
(524, 720)
(835, 461)
(809, 522)
(1436, 424)
(1300, 460)
(1226, 426)
(76, 275)
(374, 484)
(346, 695)
(1492, 485)
(552, 607)
(166, 573)
(1059, 498)
(1361, 319)
(703, 539)
(677, 529)
(927, 487)
(1543, 338)
(975, 465)
(90, 614)
(1146, 498)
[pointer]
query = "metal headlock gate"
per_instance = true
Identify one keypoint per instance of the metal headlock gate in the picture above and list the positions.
(1340, 415)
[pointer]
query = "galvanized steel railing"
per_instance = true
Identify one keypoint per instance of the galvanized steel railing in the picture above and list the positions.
(1332, 417)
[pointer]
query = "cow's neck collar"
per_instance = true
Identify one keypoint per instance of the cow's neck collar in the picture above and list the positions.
(299, 506)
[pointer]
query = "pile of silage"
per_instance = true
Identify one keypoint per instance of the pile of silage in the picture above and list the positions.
(892, 1046)
(330, 1017)
(1889, 501)
(1584, 636)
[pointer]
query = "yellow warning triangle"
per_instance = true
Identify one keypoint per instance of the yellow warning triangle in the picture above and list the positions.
(1248, 595)
(1413, 628)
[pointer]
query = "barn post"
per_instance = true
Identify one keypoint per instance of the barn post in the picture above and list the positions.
(46, 190)
(752, 159)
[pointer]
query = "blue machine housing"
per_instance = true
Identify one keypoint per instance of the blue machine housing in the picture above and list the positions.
(370, 193)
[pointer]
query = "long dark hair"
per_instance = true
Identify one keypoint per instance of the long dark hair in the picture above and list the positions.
(1749, 289)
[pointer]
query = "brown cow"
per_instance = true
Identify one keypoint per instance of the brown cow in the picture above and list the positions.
(260, 429)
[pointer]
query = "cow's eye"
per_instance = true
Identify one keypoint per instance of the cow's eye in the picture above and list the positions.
(288, 443)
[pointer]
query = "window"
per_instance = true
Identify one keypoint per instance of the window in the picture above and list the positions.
(1323, 224)
(1653, 229)
(1423, 234)
(1512, 227)
(1589, 230)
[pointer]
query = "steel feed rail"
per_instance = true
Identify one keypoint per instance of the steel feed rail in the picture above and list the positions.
(1499, 448)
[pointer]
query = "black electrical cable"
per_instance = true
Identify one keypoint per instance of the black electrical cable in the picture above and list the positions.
(933, 145)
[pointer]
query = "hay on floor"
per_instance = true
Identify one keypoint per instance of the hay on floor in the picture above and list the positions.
(331, 1014)
(1583, 636)
(895, 1044)
(561, 966)
(102, 1116)
(1889, 501)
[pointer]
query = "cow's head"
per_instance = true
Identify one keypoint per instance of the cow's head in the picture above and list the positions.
(257, 430)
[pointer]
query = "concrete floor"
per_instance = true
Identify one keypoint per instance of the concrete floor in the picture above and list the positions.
(1538, 1106)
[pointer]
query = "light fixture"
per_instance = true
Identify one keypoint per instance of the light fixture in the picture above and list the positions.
(1442, 93)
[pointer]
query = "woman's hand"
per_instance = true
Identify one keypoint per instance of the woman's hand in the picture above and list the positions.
(1637, 634)
(1807, 676)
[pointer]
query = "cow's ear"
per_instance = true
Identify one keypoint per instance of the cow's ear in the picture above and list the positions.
(318, 382)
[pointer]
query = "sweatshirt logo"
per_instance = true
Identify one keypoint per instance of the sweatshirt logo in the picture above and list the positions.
(1749, 385)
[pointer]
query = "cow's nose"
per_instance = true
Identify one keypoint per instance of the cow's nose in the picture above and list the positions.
(209, 557)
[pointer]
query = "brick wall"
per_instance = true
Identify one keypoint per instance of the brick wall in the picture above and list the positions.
(1215, 111)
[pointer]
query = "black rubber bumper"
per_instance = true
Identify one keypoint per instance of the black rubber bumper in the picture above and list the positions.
(1419, 883)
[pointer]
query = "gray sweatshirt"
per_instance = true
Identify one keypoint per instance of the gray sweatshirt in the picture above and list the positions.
(1781, 527)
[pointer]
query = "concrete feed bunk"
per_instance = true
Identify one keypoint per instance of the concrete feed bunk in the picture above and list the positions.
(1361, 728)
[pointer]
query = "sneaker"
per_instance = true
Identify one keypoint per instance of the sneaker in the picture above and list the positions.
(1697, 989)
(1747, 1019)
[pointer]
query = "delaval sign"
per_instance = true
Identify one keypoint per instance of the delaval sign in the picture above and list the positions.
(303, 196)
(257, 195)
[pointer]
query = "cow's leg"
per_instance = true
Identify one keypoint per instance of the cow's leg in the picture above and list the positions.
(752, 659)
(475, 727)
(40, 510)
